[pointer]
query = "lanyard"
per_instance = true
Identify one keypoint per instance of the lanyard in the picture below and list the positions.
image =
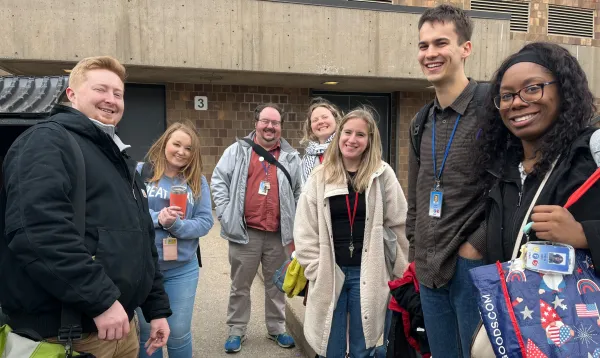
(437, 176)
(266, 168)
(321, 158)
(353, 215)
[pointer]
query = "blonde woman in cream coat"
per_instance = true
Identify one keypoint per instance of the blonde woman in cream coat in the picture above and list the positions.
(349, 236)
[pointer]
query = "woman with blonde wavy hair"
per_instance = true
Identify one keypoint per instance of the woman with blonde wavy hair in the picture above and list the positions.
(319, 127)
(349, 235)
(174, 171)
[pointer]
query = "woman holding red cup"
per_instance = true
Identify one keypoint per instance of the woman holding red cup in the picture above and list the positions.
(180, 206)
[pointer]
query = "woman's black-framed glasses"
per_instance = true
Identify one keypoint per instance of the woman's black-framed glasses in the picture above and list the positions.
(529, 94)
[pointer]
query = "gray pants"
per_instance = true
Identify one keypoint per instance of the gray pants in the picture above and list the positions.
(263, 247)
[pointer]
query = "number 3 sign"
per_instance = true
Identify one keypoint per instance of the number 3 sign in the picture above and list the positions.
(200, 103)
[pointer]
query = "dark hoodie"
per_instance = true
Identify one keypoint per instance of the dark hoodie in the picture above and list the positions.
(44, 262)
(509, 200)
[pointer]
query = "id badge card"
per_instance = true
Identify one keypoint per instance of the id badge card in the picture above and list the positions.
(435, 203)
(545, 257)
(263, 188)
(170, 249)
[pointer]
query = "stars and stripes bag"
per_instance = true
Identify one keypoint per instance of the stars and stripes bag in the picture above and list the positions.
(527, 314)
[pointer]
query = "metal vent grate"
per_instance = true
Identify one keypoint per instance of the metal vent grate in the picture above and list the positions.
(518, 10)
(570, 21)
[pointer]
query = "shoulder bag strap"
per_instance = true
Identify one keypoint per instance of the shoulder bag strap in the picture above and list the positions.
(147, 172)
(269, 158)
(526, 218)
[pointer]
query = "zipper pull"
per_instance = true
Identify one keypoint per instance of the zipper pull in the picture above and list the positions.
(133, 192)
(520, 197)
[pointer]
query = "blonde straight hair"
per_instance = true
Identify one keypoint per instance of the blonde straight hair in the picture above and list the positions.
(333, 163)
(192, 172)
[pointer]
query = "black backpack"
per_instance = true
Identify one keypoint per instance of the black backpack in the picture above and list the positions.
(418, 124)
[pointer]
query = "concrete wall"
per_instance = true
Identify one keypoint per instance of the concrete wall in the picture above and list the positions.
(247, 35)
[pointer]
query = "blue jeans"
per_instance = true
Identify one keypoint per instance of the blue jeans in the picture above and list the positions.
(451, 314)
(348, 303)
(180, 284)
(381, 351)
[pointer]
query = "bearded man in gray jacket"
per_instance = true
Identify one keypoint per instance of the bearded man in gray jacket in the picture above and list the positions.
(255, 202)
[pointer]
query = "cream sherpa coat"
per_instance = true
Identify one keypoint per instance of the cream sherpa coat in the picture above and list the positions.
(314, 251)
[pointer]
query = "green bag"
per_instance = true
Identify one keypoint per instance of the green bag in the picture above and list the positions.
(14, 346)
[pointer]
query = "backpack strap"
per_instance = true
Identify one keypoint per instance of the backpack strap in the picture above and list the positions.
(417, 126)
(480, 94)
(269, 158)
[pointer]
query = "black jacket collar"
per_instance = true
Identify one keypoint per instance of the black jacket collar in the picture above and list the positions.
(77, 122)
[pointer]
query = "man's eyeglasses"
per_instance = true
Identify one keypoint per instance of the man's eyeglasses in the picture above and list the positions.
(529, 94)
(273, 122)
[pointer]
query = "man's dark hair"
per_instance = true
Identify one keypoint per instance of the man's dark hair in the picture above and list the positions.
(446, 14)
(267, 105)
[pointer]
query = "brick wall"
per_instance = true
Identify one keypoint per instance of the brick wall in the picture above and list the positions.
(409, 104)
(230, 113)
(538, 23)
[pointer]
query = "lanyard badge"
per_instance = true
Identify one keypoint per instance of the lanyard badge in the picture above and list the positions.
(265, 185)
(547, 257)
(436, 196)
(170, 249)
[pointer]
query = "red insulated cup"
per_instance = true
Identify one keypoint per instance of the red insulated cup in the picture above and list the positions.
(179, 197)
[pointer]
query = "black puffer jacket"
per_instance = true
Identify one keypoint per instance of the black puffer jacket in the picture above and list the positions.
(44, 261)
(509, 200)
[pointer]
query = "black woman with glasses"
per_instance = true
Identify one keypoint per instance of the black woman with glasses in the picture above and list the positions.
(538, 115)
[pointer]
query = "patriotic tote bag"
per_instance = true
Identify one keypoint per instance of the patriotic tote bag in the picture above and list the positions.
(527, 314)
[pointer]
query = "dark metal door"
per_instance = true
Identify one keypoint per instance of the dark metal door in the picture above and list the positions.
(144, 119)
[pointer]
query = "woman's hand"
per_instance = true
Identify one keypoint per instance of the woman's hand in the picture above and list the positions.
(555, 223)
(167, 216)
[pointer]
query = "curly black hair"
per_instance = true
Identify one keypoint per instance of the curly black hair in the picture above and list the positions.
(498, 144)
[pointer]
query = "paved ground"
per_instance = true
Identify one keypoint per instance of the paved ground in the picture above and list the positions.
(208, 323)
